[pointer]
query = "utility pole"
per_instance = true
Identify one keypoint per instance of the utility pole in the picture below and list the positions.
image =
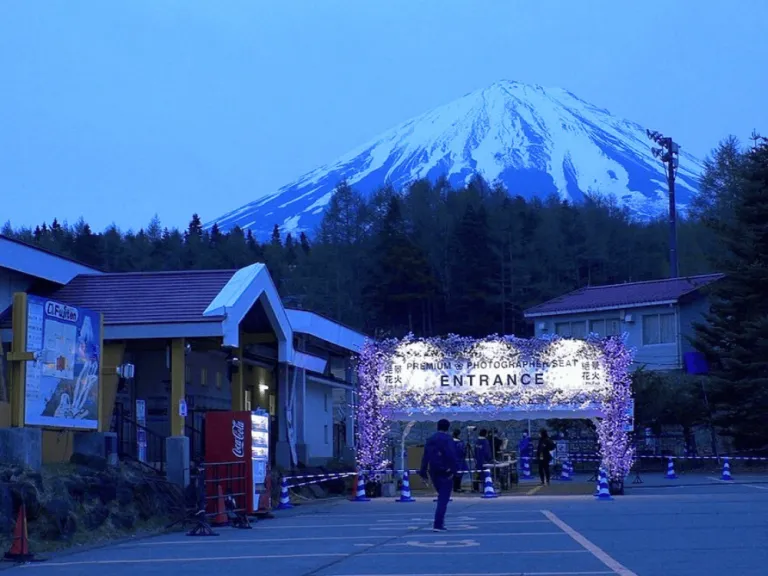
(669, 153)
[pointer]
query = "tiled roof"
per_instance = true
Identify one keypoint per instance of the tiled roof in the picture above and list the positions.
(618, 295)
(146, 297)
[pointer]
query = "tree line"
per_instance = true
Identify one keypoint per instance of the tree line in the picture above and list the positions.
(430, 259)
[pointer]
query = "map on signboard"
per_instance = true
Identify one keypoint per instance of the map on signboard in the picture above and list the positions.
(62, 382)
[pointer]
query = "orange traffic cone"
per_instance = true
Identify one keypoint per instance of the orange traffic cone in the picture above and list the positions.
(19, 551)
(221, 518)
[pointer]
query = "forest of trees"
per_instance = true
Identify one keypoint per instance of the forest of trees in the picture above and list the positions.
(433, 260)
(430, 260)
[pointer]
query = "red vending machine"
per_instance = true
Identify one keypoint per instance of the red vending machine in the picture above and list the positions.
(237, 459)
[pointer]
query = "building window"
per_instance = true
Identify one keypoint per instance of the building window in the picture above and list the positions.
(325, 402)
(605, 328)
(571, 329)
(659, 329)
(219, 380)
(204, 376)
(325, 433)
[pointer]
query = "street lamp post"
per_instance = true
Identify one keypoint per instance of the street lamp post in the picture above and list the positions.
(669, 152)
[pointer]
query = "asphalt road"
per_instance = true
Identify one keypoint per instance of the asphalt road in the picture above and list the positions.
(673, 528)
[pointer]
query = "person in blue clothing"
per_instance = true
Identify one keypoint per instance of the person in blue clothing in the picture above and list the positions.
(439, 463)
(460, 459)
(482, 457)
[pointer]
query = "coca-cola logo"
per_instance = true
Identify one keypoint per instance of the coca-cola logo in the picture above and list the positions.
(238, 438)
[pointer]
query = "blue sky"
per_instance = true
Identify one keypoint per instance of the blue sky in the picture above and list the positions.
(118, 110)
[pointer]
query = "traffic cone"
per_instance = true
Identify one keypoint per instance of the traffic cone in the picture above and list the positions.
(220, 519)
(726, 471)
(285, 498)
(565, 472)
(670, 475)
(19, 550)
(603, 493)
(405, 490)
(488, 491)
(361, 495)
(527, 468)
(597, 486)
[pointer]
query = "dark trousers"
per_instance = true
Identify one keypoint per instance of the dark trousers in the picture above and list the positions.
(544, 472)
(457, 481)
(444, 487)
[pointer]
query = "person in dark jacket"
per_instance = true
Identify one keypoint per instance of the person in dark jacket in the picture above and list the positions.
(482, 457)
(544, 456)
(439, 464)
(460, 459)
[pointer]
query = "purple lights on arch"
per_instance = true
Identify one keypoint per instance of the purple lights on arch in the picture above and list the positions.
(608, 399)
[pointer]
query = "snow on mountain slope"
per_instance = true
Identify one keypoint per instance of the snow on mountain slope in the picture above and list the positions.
(536, 141)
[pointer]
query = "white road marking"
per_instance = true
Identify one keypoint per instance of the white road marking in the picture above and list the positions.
(732, 483)
(593, 549)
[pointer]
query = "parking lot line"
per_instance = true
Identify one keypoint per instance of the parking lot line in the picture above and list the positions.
(580, 573)
(249, 541)
(593, 549)
(732, 483)
(293, 556)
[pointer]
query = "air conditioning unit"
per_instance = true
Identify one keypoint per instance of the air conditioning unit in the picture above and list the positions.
(542, 326)
(628, 318)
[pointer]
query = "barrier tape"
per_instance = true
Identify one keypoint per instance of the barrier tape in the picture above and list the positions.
(647, 457)
(317, 478)
(313, 476)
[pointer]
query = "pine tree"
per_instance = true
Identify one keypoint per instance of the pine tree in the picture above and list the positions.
(735, 336)
(400, 281)
(475, 272)
(304, 243)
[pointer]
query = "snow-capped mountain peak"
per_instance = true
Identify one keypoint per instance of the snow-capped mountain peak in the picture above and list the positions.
(536, 141)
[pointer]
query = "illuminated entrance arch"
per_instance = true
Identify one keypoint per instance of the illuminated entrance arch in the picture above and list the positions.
(496, 378)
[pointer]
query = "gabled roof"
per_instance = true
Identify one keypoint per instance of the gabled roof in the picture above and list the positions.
(617, 296)
(322, 328)
(39, 263)
(195, 303)
(146, 297)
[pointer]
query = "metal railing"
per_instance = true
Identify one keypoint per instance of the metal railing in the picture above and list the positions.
(129, 435)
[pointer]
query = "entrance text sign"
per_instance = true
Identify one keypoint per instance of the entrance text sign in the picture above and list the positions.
(62, 383)
(569, 372)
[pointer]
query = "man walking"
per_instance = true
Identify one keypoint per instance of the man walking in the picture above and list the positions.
(440, 463)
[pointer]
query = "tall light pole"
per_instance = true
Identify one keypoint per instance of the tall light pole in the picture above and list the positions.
(669, 152)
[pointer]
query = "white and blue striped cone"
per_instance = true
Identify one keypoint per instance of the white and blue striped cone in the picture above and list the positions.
(603, 493)
(670, 475)
(405, 490)
(726, 471)
(488, 491)
(565, 472)
(527, 468)
(361, 495)
(285, 498)
(597, 486)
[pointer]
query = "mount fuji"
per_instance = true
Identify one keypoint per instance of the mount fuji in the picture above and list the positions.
(536, 141)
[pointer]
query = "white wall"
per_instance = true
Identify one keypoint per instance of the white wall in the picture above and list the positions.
(651, 357)
(318, 414)
(11, 282)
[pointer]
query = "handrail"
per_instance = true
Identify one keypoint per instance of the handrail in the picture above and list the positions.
(128, 433)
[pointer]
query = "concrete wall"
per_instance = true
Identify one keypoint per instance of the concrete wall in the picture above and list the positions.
(318, 422)
(651, 357)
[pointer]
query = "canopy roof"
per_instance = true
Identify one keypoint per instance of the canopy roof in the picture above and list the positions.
(471, 413)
